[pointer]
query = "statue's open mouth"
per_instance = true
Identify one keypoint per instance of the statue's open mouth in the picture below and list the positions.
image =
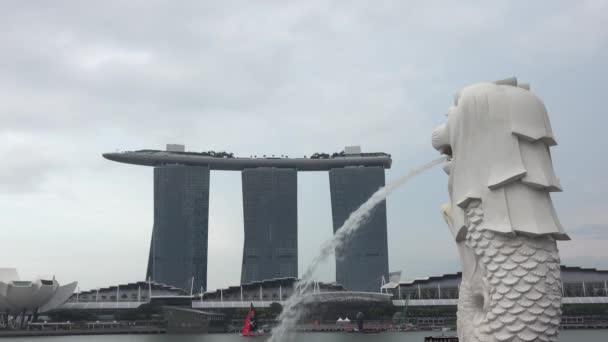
(447, 150)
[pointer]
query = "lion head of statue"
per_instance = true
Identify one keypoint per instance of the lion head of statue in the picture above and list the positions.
(497, 138)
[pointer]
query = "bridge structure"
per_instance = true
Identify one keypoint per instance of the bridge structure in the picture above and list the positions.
(179, 243)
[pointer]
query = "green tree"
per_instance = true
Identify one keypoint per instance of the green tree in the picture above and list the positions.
(276, 308)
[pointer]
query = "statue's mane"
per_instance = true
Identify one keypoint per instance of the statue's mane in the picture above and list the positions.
(500, 136)
(505, 128)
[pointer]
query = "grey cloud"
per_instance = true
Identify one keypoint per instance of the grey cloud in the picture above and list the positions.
(82, 78)
(237, 59)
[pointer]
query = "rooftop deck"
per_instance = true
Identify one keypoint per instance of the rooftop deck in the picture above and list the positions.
(226, 161)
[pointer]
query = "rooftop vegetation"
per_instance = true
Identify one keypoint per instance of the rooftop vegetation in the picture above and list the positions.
(214, 154)
(224, 154)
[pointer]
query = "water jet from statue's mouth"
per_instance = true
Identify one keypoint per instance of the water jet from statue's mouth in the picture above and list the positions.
(292, 308)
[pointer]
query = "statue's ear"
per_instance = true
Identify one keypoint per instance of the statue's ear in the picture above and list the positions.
(512, 81)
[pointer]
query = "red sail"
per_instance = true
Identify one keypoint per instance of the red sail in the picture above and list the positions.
(245, 330)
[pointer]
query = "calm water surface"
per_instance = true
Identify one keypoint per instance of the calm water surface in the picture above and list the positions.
(566, 336)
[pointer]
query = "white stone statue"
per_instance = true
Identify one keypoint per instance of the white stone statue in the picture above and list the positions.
(497, 138)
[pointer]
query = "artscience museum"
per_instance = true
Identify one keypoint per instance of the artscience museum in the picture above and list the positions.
(22, 300)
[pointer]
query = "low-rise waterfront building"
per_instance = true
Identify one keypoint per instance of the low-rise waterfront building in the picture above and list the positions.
(579, 285)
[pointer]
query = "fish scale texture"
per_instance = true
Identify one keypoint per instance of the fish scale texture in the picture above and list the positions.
(521, 291)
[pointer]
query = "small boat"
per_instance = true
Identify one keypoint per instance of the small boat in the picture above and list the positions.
(250, 326)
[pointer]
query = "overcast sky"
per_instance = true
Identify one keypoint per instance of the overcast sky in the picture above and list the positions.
(79, 78)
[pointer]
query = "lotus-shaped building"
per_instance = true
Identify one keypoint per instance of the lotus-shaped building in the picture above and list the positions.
(30, 296)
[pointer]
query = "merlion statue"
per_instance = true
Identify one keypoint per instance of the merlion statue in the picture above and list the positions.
(497, 138)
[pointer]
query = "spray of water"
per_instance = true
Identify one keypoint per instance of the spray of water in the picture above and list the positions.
(291, 312)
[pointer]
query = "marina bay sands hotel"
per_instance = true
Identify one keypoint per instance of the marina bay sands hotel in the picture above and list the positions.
(178, 250)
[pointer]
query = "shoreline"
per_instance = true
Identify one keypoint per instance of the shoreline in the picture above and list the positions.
(159, 330)
(81, 332)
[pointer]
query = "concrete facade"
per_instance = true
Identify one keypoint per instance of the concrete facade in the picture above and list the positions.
(178, 250)
(577, 282)
(270, 212)
(363, 260)
(139, 292)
